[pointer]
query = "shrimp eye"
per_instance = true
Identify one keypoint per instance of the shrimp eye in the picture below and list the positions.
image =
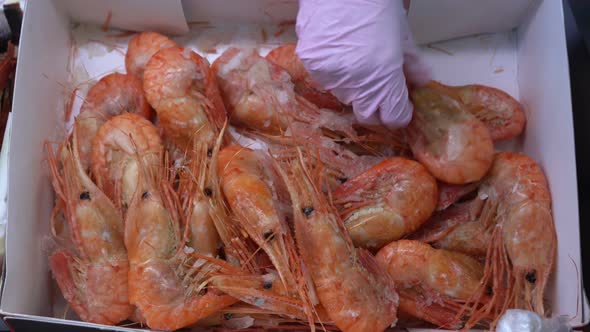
(268, 235)
(209, 152)
(227, 316)
(145, 195)
(208, 192)
(85, 196)
(343, 179)
(307, 210)
(489, 290)
(531, 277)
(267, 285)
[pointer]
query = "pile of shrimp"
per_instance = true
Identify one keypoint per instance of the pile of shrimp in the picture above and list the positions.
(164, 219)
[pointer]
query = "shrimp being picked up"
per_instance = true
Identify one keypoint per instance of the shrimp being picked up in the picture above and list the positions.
(451, 142)
(355, 292)
(164, 279)
(523, 244)
(181, 87)
(386, 202)
(140, 50)
(437, 276)
(285, 57)
(115, 151)
(114, 94)
(92, 275)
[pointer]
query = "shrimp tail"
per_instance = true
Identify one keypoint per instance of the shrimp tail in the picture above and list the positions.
(62, 264)
(441, 314)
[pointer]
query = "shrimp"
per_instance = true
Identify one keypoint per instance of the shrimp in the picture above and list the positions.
(523, 244)
(114, 94)
(453, 145)
(93, 275)
(248, 188)
(141, 49)
(115, 149)
(180, 86)
(163, 278)
(459, 228)
(386, 202)
(356, 294)
(285, 57)
(420, 270)
(195, 185)
(501, 113)
(257, 93)
(448, 194)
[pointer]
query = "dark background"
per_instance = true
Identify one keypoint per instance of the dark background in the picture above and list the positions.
(577, 23)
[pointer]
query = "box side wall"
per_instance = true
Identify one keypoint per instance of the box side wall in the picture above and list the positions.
(135, 15)
(543, 79)
(261, 11)
(433, 21)
(42, 64)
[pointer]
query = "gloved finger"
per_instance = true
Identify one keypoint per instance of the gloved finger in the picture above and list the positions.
(366, 110)
(396, 109)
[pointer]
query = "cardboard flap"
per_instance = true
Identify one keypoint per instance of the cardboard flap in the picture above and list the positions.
(432, 21)
(137, 15)
(274, 11)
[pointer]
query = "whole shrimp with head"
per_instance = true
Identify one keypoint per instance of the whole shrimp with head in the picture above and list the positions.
(112, 95)
(164, 280)
(181, 87)
(115, 151)
(355, 292)
(253, 195)
(523, 244)
(435, 280)
(452, 143)
(386, 202)
(501, 113)
(93, 275)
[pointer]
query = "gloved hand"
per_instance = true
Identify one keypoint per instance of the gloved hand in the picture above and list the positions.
(359, 50)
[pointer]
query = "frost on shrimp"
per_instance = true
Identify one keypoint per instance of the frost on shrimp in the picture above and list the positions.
(115, 150)
(260, 95)
(112, 95)
(181, 87)
(92, 275)
(386, 202)
(454, 145)
(355, 292)
(164, 280)
(140, 50)
(428, 275)
(503, 115)
(523, 246)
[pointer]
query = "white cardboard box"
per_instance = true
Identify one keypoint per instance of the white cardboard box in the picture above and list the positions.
(516, 45)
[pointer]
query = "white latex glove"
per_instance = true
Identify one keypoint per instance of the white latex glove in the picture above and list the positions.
(359, 50)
